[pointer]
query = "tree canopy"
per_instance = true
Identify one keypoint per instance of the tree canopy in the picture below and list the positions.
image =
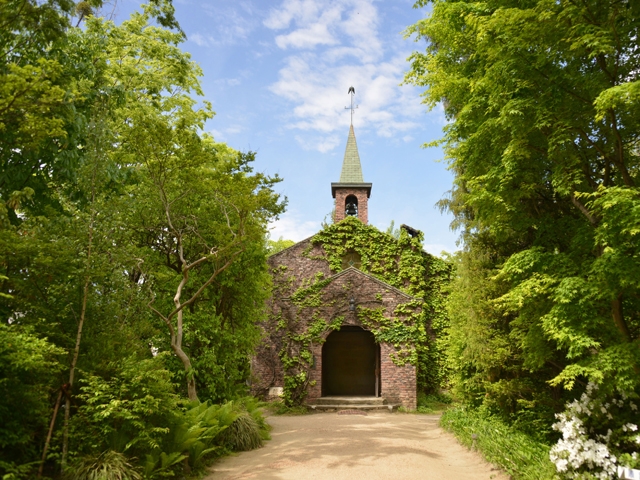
(543, 108)
(132, 246)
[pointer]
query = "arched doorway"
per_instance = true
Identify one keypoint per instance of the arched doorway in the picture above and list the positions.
(350, 363)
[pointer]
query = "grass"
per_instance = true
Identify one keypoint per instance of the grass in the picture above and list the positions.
(279, 408)
(108, 465)
(519, 455)
(433, 403)
(243, 434)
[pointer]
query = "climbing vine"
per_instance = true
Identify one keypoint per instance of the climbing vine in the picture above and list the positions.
(303, 312)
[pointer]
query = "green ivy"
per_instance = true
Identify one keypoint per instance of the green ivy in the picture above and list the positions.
(415, 329)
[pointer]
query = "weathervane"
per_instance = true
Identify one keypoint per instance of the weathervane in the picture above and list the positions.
(352, 92)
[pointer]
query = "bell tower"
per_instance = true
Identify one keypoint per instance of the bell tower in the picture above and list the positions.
(351, 192)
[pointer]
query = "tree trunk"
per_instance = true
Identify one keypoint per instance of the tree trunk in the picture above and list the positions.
(50, 433)
(74, 362)
(76, 351)
(618, 318)
(191, 380)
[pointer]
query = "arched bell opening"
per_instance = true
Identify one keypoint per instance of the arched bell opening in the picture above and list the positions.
(350, 363)
(351, 206)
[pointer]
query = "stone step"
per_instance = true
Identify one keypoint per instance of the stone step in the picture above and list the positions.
(390, 407)
(350, 401)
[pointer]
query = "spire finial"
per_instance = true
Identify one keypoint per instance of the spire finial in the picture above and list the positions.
(352, 92)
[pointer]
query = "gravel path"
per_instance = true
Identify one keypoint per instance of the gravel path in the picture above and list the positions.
(390, 446)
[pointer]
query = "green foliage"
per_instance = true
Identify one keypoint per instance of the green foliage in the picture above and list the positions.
(392, 230)
(243, 434)
(136, 413)
(108, 465)
(128, 412)
(412, 329)
(543, 144)
(418, 328)
(275, 246)
(28, 367)
(101, 129)
(519, 455)
(280, 408)
(433, 402)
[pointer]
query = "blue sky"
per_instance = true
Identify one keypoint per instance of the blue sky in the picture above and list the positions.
(277, 73)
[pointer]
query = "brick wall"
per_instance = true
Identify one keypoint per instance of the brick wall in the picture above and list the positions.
(398, 383)
(301, 267)
(363, 201)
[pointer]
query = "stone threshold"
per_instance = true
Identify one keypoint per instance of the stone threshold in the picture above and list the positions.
(351, 403)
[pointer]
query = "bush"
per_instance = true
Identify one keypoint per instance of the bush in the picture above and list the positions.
(519, 455)
(599, 432)
(245, 425)
(134, 418)
(130, 412)
(243, 434)
(108, 465)
(29, 368)
(206, 431)
(434, 402)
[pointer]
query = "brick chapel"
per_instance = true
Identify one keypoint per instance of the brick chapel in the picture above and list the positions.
(317, 344)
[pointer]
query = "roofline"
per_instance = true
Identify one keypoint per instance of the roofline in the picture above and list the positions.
(335, 185)
(377, 280)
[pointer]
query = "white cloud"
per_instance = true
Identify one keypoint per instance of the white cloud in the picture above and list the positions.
(316, 34)
(218, 136)
(337, 45)
(291, 226)
(200, 40)
(322, 144)
(223, 135)
(230, 27)
(280, 18)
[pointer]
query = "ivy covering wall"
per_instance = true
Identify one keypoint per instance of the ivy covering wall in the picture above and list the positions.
(303, 311)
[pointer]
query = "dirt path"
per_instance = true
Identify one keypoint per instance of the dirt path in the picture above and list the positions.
(390, 446)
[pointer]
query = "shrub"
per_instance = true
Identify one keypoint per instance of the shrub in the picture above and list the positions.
(130, 412)
(599, 432)
(28, 373)
(108, 465)
(433, 402)
(522, 457)
(243, 434)
(245, 425)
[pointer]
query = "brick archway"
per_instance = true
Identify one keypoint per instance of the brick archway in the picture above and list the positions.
(350, 363)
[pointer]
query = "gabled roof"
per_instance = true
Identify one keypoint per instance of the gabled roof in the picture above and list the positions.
(349, 270)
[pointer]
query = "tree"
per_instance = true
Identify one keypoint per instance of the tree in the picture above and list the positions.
(275, 246)
(200, 207)
(96, 223)
(543, 142)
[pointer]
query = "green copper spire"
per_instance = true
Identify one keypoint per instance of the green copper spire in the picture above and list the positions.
(351, 169)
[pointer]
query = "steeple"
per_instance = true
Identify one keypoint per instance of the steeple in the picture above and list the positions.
(351, 192)
(351, 168)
